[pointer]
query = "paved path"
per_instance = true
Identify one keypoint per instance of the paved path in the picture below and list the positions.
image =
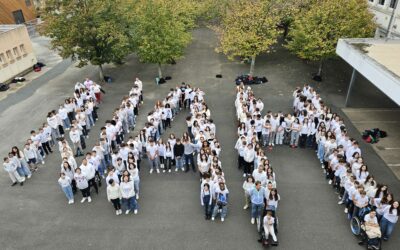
(170, 217)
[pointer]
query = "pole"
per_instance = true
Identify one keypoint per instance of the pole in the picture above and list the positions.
(353, 78)
(391, 18)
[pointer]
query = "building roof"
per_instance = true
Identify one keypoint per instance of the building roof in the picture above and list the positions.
(378, 60)
(7, 27)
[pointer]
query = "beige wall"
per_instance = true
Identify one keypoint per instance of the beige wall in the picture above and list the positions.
(16, 53)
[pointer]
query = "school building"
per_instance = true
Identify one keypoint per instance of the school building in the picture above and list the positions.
(16, 52)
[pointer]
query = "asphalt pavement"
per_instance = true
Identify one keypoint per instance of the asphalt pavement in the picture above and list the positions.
(36, 216)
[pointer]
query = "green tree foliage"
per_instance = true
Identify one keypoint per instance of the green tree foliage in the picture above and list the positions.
(90, 31)
(315, 32)
(161, 30)
(248, 28)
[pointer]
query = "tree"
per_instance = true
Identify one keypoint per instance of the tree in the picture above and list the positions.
(161, 31)
(90, 31)
(315, 33)
(248, 29)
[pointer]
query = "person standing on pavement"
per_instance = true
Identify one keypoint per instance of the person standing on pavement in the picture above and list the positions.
(83, 185)
(257, 195)
(152, 155)
(206, 200)
(248, 185)
(75, 137)
(179, 150)
(65, 183)
(220, 197)
(128, 194)
(89, 171)
(114, 195)
(11, 168)
(389, 219)
(248, 159)
(189, 149)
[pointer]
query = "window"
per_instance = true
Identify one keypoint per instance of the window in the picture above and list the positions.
(10, 56)
(28, 3)
(3, 59)
(23, 50)
(18, 17)
(16, 53)
(392, 4)
(381, 2)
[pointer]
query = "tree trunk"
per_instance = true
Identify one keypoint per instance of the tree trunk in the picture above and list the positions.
(320, 68)
(101, 73)
(159, 71)
(252, 64)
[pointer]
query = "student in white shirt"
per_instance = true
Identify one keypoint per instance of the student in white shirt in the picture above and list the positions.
(114, 195)
(268, 226)
(128, 195)
(389, 219)
(11, 168)
(65, 184)
(248, 185)
(83, 185)
(75, 138)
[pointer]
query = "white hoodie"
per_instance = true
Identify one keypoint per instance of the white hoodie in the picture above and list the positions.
(127, 189)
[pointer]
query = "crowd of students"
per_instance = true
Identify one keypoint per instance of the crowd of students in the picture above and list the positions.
(254, 133)
(111, 158)
(77, 113)
(342, 162)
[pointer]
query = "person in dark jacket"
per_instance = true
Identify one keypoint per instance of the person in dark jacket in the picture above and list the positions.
(179, 149)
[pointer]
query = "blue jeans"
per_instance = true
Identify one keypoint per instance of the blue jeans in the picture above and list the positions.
(265, 138)
(153, 163)
(67, 124)
(136, 185)
(24, 170)
(189, 160)
(386, 228)
(68, 192)
(256, 210)
(294, 139)
(224, 211)
(321, 152)
(179, 163)
(129, 203)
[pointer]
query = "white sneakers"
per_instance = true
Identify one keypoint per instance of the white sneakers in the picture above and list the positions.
(330, 182)
(29, 176)
(244, 175)
(83, 200)
(252, 220)
(176, 170)
(212, 218)
(71, 202)
(117, 212)
(135, 211)
(137, 196)
(127, 211)
(222, 219)
(340, 202)
(89, 199)
(158, 171)
(151, 171)
(163, 171)
(245, 207)
(169, 171)
(346, 210)
(322, 166)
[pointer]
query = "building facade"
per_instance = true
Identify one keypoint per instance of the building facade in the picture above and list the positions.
(17, 11)
(16, 52)
(384, 11)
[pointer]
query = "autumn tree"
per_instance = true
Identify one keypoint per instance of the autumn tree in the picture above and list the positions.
(90, 31)
(315, 33)
(162, 30)
(248, 28)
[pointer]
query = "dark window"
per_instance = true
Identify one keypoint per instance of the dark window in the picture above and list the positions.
(382, 2)
(18, 16)
(28, 2)
(392, 3)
